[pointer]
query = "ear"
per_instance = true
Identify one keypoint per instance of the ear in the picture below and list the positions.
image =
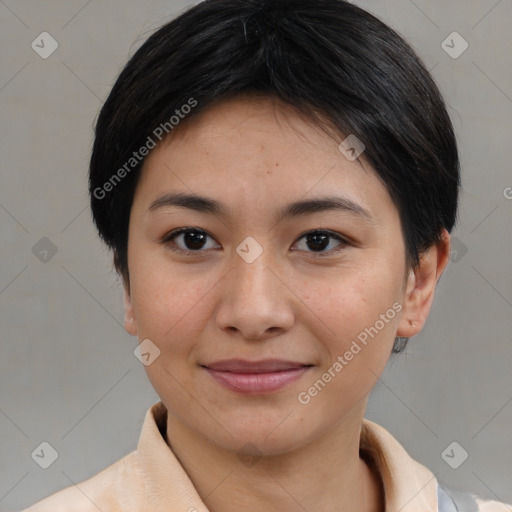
(420, 287)
(129, 316)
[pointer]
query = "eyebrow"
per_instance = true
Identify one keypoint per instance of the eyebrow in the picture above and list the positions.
(298, 208)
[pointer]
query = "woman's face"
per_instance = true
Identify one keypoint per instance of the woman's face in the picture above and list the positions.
(252, 284)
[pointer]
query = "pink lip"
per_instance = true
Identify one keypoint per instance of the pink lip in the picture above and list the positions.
(256, 377)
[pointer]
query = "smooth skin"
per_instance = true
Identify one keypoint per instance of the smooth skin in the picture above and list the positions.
(298, 301)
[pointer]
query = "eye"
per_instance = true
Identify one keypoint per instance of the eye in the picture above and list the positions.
(318, 241)
(195, 240)
(190, 240)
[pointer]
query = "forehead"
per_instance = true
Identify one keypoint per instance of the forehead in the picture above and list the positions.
(258, 150)
(265, 125)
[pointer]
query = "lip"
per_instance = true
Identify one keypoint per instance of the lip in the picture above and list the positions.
(256, 377)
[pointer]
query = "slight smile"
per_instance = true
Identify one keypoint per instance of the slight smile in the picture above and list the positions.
(256, 377)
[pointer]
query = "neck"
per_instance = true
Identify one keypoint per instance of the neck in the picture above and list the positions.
(325, 475)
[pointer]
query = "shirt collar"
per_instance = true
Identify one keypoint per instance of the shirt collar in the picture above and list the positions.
(408, 485)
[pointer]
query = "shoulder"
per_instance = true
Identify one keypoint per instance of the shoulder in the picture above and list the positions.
(100, 492)
(450, 500)
(492, 506)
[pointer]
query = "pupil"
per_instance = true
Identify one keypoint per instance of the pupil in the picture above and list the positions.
(318, 239)
(194, 239)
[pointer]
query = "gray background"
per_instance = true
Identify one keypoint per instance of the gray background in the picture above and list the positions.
(68, 375)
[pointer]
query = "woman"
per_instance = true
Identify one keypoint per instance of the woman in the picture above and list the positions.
(278, 181)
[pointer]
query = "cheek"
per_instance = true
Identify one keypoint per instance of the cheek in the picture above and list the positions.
(358, 310)
(356, 347)
(168, 305)
(171, 311)
(359, 317)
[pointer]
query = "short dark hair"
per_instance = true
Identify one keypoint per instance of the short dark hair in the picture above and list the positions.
(331, 60)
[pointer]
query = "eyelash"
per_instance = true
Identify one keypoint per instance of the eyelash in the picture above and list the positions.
(189, 252)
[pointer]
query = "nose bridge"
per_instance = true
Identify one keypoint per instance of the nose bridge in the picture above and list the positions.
(252, 273)
(255, 299)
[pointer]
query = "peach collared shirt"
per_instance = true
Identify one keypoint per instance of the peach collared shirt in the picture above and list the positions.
(151, 479)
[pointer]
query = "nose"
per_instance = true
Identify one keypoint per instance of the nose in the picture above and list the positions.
(256, 302)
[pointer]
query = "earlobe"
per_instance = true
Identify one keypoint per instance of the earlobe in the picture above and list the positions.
(130, 324)
(421, 285)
